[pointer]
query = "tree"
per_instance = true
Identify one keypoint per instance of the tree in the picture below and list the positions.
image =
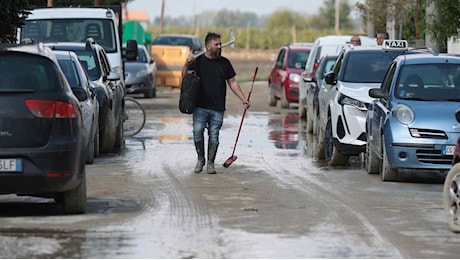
(13, 15)
(445, 23)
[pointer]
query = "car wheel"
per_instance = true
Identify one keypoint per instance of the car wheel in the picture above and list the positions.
(96, 141)
(450, 198)
(310, 122)
(271, 98)
(321, 150)
(74, 201)
(90, 150)
(302, 112)
(107, 137)
(332, 155)
(372, 160)
(284, 101)
(119, 141)
(387, 173)
(148, 93)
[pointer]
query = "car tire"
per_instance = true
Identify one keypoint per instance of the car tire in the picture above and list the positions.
(302, 112)
(90, 150)
(310, 122)
(96, 141)
(148, 93)
(271, 98)
(372, 160)
(332, 155)
(107, 137)
(320, 154)
(450, 198)
(284, 101)
(119, 141)
(387, 173)
(74, 201)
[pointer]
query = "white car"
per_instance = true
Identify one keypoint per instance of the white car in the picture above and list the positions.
(343, 99)
(324, 45)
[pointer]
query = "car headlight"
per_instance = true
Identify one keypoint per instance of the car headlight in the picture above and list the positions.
(294, 77)
(404, 114)
(346, 100)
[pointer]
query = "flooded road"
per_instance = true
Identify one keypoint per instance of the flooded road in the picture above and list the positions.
(274, 201)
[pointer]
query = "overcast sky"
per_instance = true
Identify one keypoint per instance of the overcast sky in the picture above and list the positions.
(174, 8)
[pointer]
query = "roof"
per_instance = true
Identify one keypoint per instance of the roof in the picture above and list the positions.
(135, 15)
(71, 12)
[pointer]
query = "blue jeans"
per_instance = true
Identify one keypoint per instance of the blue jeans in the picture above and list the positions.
(210, 119)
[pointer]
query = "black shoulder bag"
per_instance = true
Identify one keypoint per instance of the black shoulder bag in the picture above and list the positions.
(189, 92)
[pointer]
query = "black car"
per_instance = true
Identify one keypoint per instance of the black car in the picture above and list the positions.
(42, 151)
(81, 86)
(110, 91)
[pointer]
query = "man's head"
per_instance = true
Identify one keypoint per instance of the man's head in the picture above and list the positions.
(213, 45)
(381, 36)
(355, 40)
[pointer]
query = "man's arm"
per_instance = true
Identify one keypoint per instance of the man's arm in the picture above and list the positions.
(235, 86)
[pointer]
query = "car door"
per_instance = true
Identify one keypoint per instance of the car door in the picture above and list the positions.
(278, 73)
(380, 108)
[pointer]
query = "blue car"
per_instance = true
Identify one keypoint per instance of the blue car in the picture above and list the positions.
(411, 123)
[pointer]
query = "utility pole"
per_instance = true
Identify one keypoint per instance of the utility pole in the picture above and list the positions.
(162, 15)
(49, 3)
(337, 17)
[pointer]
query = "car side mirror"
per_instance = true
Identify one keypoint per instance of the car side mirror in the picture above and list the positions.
(329, 78)
(113, 76)
(80, 94)
(457, 115)
(377, 93)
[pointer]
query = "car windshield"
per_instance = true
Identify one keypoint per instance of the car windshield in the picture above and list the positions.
(297, 59)
(174, 41)
(429, 82)
(89, 63)
(27, 72)
(72, 30)
(367, 67)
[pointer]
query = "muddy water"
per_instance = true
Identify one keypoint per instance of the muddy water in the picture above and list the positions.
(275, 201)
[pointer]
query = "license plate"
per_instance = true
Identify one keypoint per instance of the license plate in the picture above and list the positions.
(448, 149)
(10, 165)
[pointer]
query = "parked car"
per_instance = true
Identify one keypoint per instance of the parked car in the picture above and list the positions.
(170, 52)
(411, 123)
(325, 65)
(42, 151)
(284, 78)
(81, 86)
(451, 190)
(140, 73)
(344, 99)
(110, 91)
(324, 45)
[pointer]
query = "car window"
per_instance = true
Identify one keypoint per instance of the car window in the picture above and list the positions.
(280, 58)
(28, 72)
(431, 82)
(297, 59)
(87, 58)
(367, 67)
(70, 72)
(72, 30)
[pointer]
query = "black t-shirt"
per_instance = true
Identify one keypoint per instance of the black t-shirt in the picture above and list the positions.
(213, 74)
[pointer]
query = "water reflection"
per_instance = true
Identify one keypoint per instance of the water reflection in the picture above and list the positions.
(284, 130)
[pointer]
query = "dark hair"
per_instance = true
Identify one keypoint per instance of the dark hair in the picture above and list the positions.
(211, 36)
(384, 34)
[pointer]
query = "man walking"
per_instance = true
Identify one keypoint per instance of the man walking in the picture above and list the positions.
(215, 71)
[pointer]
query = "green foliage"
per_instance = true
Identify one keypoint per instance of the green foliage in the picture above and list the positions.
(446, 22)
(12, 13)
(327, 15)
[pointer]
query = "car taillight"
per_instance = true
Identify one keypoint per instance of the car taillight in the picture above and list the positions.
(315, 66)
(51, 108)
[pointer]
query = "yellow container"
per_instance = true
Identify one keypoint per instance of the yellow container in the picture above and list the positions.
(169, 61)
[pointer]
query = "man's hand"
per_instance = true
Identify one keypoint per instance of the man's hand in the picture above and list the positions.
(246, 104)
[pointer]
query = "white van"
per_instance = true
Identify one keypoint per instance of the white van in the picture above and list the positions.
(76, 24)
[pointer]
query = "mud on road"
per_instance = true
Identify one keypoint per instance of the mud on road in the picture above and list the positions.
(274, 201)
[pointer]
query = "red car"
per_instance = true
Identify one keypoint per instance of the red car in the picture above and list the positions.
(284, 78)
(451, 192)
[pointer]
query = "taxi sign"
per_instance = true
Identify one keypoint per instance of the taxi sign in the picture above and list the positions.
(395, 45)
